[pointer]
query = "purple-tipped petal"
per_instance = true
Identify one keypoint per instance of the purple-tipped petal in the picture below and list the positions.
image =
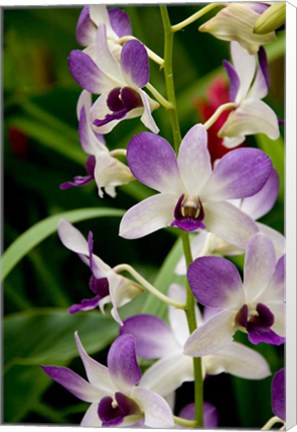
(239, 174)
(279, 395)
(120, 22)
(73, 383)
(85, 28)
(134, 62)
(154, 338)
(85, 72)
(153, 162)
(215, 282)
(85, 305)
(275, 291)
(194, 159)
(72, 238)
(210, 415)
(91, 419)
(233, 79)
(260, 85)
(229, 223)
(257, 334)
(260, 261)
(122, 363)
(262, 202)
(91, 143)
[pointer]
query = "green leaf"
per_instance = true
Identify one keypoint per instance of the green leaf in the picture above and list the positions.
(275, 150)
(40, 231)
(38, 336)
(165, 277)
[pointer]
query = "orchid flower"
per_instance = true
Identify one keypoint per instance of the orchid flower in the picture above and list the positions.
(107, 285)
(255, 306)
(155, 339)
(278, 394)
(102, 166)
(115, 392)
(119, 83)
(193, 195)
(117, 24)
(256, 206)
(248, 85)
(236, 22)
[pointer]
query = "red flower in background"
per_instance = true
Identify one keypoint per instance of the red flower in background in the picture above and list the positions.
(216, 95)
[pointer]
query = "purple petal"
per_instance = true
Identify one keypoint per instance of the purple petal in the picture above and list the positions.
(85, 71)
(262, 202)
(233, 78)
(120, 22)
(85, 305)
(122, 362)
(113, 416)
(153, 162)
(215, 282)
(239, 174)
(77, 181)
(85, 29)
(279, 395)
(263, 64)
(210, 415)
(134, 62)
(100, 287)
(154, 338)
(73, 383)
(257, 335)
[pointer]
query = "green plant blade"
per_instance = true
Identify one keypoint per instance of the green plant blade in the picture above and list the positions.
(40, 231)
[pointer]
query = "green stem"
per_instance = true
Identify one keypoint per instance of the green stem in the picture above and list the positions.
(192, 324)
(145, 284)
(195, 16)
(168, 73)
(184, 422)
(152, 55)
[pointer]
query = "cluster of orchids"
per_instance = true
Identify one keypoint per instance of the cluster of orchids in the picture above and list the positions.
(213, 205)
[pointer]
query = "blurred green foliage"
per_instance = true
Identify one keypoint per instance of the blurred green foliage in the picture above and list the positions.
(41, 150)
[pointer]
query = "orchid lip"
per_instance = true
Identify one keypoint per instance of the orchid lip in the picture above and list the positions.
(189, 213)
(112, 412)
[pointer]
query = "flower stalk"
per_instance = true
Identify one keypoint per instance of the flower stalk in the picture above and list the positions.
(218, 112)
(195, 16)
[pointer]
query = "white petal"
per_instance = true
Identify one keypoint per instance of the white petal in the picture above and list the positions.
(238, 360)
(147, 118)
(245, 66)
(214, 335)
(278, 240)
(97, 374)
(168, 374)
(194, 159)
(252, 117)
(229, 223)
(72, 238)
(91, 418)
(148, 216)
(232, 142)
(157, 413)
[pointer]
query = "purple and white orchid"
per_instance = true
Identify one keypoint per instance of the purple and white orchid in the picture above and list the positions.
(117, 24)
(106, 284)
(101, 165)
(248, 85)
(115, 392)
(193, 195)
(155, 339)
(119, 83)
(256, 206)
(236, 22)
(255, 306)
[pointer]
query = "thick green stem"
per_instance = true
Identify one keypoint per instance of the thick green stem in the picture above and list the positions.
(168, 73)
(192, 324)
